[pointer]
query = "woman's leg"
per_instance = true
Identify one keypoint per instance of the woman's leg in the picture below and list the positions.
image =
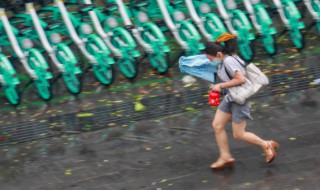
(239, 133)
(220, 120)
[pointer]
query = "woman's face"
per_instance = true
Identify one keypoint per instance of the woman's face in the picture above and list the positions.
(217, 58)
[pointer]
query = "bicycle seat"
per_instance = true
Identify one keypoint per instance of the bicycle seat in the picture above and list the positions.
(85, 8)
(129, 27)
(110, 7)
(24, 30)
(53, 24)
(140, 3)
(160, 23)
(174, 2)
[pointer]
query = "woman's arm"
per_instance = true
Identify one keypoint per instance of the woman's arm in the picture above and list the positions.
(237, 80)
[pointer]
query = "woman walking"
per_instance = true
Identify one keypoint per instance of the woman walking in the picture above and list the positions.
(231, 71)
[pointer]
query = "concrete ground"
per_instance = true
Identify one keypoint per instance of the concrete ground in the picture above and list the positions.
(174, 152)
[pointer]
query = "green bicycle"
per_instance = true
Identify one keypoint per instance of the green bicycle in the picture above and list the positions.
(31, 58)
(81, 33)
(292, 19)
(262, 23)
(9, 80)
(238, 23)
(118, 38)
(51, 41)
(149, 35)
(209, 23)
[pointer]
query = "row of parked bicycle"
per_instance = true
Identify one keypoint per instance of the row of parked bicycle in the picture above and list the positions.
(112, 33)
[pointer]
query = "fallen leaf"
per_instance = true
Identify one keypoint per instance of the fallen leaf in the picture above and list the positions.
(68, 172)
(190, 109)
(288, 71)
(111, 124)
(85, 114)
(168, 148)
(139, 107)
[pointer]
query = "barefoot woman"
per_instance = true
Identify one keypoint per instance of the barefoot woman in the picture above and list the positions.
(231, 72)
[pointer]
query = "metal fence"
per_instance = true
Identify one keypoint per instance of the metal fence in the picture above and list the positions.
(124, 113)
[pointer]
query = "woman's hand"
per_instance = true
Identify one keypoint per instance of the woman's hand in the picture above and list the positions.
(216, 87)
(237, 80)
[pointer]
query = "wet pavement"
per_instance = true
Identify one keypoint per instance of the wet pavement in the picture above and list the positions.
(174, 152)
(154, 132)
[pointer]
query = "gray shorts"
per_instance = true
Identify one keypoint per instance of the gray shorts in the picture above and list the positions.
(238, 112)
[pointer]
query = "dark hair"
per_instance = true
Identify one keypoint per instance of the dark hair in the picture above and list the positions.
(229, 47)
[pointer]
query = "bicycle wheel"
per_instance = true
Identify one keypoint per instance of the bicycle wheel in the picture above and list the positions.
(11, 94)
(159, 62)
(127, 64)
(72, 82)
(245, 48)
(43, 88)
(269, 44)
(297, 38)
(68, 60)
(37, 63)
(104, 73)
(158, 58)
(128, 67)
(103, 70)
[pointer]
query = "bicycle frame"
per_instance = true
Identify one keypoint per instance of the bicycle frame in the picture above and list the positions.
(99, 29)
(262, 23)
(90, 44)
(313, 7)
(292, 19)
(209, 24)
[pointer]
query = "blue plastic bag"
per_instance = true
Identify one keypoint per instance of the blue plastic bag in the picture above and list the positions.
(199, 66)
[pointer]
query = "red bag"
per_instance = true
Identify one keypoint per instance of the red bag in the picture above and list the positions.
(214, 98)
